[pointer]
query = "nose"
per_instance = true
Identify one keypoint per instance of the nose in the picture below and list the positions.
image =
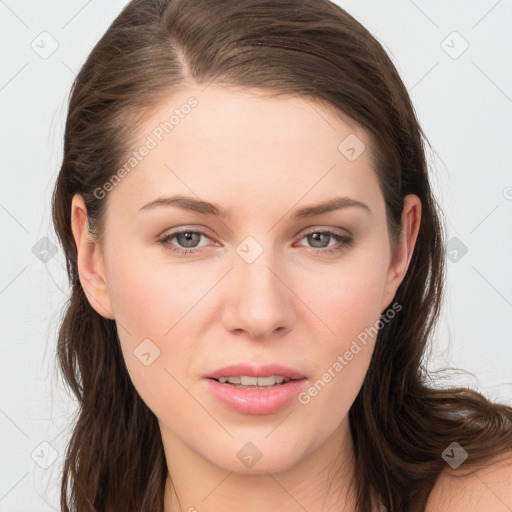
(260, 303)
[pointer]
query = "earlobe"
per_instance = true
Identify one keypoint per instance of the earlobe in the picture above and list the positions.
(91, 270)
(401, 257)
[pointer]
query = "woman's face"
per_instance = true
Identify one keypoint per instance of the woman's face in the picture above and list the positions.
(266, 284)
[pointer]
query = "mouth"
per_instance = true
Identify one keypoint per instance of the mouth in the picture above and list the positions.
(251, 395)
(257, 390)
(245, 374)
(251, 382)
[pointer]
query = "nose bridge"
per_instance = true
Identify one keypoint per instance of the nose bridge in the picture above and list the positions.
(260, 301)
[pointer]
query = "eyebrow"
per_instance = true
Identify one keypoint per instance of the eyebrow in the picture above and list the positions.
(207, 208)
(336, 203)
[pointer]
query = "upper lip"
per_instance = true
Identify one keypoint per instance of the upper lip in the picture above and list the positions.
(267, 370)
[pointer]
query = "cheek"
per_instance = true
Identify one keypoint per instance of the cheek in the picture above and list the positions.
(347, 299)
(347, 296)
(151, 305)
(149, 299)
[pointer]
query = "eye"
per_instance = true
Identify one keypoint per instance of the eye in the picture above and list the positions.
(319, 237)
(187, 238)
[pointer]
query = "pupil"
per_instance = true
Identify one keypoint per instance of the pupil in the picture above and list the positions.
(187, 236)
(316, 237)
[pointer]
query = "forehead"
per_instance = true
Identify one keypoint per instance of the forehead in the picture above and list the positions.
(231, 144)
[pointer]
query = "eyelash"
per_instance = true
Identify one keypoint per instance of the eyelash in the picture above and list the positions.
(345, 241)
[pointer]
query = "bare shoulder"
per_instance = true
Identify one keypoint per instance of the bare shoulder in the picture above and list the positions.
(488, 488)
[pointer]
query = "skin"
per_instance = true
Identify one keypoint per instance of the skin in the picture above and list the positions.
(262, 158)
(474, 488)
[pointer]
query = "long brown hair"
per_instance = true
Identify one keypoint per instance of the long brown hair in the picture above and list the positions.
(399, 424)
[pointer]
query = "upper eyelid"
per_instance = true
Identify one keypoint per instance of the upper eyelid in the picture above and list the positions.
(334, 231)
(179, 231)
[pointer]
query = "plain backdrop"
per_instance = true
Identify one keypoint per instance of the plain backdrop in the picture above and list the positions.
(454, 58)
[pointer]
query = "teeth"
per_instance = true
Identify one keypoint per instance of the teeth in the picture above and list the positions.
(244, 380)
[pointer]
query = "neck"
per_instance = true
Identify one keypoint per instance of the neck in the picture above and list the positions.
(321, 481)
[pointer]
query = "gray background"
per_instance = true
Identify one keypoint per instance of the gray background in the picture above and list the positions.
(463, 97)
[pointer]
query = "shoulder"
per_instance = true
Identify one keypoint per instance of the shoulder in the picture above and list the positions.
(488, 487)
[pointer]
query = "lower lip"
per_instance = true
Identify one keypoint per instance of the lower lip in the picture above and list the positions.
(253, 400)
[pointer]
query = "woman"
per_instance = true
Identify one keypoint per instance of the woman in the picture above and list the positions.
(257, 262)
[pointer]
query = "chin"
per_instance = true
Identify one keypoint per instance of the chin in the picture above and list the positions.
(259, 456)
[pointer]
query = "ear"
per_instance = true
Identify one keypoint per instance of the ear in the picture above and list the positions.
(91, 270)
(401, 257)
